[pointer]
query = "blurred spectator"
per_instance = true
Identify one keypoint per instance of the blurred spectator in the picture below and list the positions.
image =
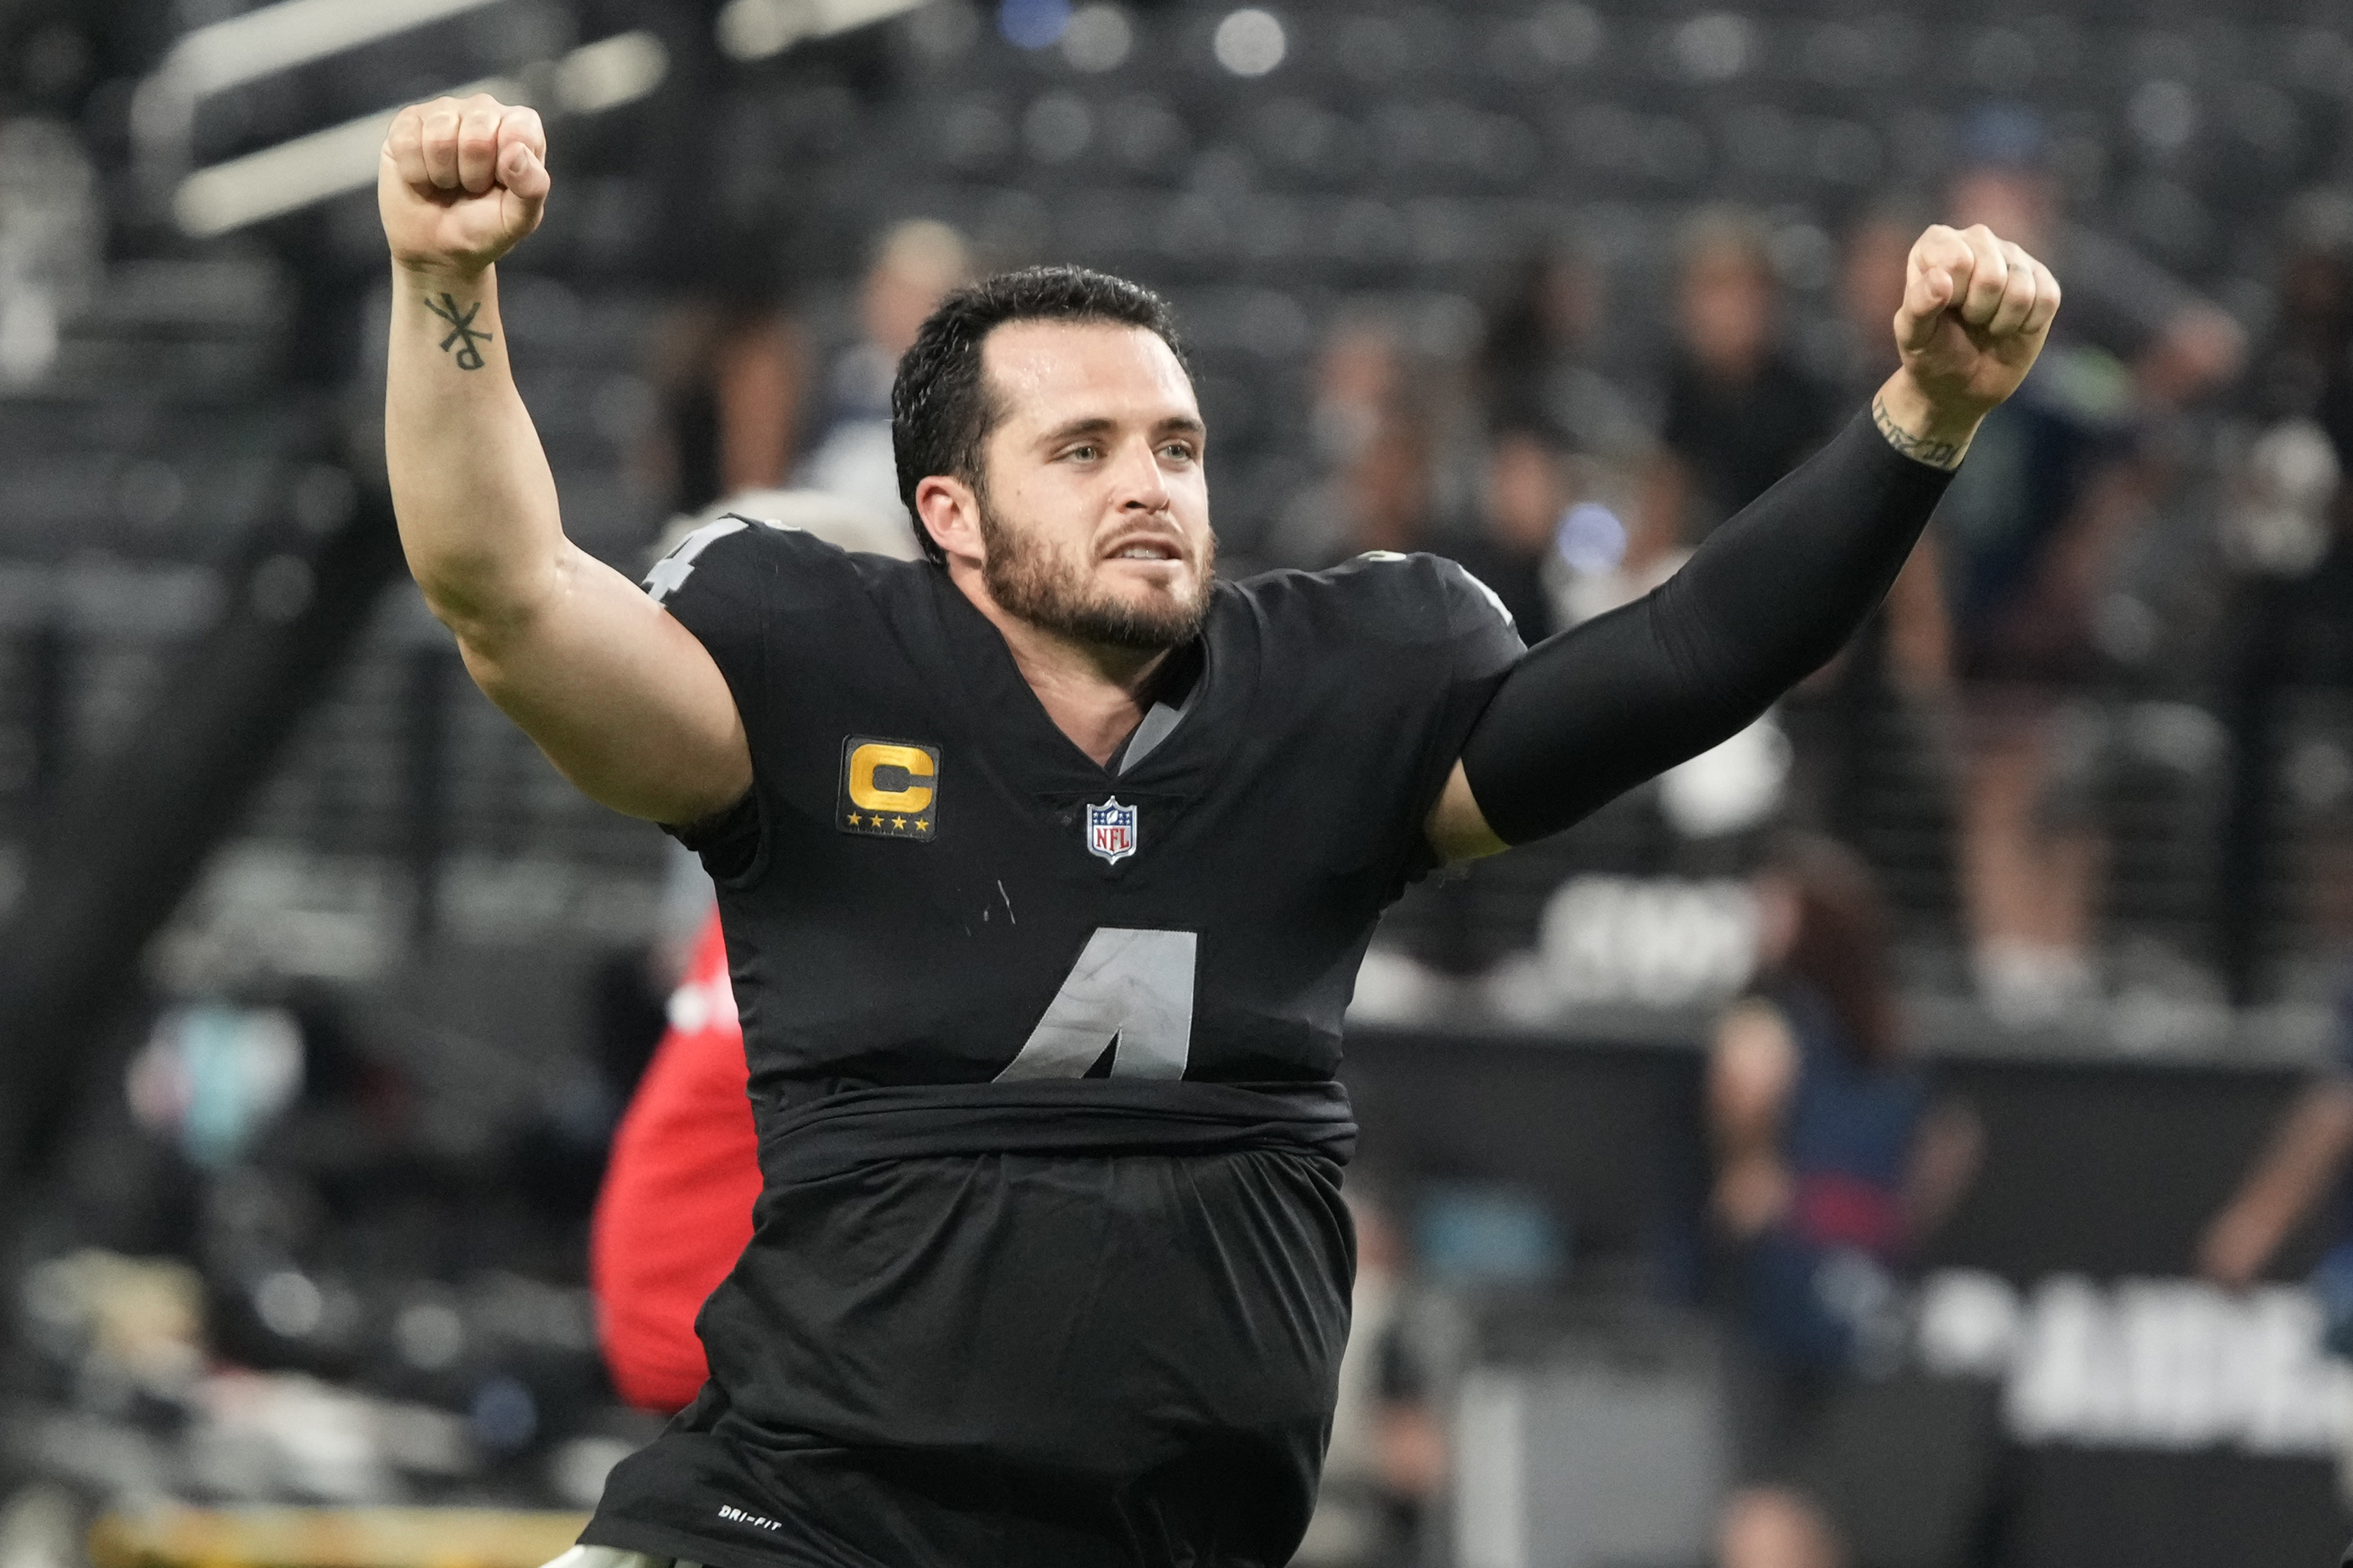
(741, 389)
(1540, 363)
(2178, 345)
(2304, 1160)
(676, 1208)
(2029, 530)
(2300, 372)
(2286, 527)
(1388, 1459)
(915, 264)
(847, 490)
(2283, 527)
(1831, 1164)
(733, 375)
(1522, 494)
(1872, 264)
(1740, 412)
(1377, 424)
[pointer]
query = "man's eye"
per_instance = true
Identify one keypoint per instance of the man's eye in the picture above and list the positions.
(1178, 450)
(1080, 451)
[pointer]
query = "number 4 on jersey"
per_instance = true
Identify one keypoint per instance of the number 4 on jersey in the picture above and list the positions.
(1132, 987)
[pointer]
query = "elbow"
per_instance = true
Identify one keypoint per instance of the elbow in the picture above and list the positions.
(480, 623)
(487, 602)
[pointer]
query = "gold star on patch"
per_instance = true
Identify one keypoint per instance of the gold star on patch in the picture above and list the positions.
(922, 825)
(898, 822)
(854, 819)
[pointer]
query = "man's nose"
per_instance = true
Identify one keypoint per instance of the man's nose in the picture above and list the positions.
(1141, 485)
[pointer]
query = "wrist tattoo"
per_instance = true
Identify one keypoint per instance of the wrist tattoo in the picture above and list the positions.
(1945, 454)
(462, 331)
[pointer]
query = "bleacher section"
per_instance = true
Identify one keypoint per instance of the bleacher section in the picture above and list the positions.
(1400, 153)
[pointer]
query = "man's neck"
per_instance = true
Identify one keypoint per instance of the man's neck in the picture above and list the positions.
(1093, 692)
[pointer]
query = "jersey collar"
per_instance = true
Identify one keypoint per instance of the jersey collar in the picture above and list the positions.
(1160, 752)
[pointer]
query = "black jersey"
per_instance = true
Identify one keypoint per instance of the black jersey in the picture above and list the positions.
(1049, 1265)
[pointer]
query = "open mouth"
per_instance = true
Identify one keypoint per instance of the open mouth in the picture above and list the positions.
(1146, 550)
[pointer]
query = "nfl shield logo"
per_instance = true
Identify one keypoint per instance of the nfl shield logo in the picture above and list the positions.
(1111, 830)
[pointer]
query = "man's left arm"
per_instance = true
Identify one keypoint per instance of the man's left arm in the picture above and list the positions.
(1774, 593)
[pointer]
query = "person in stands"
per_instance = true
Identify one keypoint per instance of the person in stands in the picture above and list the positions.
(676, 1207)
(1833, 1161)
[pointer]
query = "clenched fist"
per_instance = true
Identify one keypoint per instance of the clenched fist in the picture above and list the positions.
(461, 182)
(1976, 309)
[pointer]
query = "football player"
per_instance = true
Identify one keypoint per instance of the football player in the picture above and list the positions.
(1046, 864)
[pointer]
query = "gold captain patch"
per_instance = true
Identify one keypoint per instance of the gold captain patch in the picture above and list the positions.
(889, 788)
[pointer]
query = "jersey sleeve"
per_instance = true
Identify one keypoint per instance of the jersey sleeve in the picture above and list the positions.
(1484, 644)
(747, 590)
(713, 582)
(1426, 644)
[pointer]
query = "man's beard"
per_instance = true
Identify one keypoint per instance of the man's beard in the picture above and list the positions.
(1027, 578)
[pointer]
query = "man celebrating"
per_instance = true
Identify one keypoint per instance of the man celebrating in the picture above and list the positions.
(1046, 864)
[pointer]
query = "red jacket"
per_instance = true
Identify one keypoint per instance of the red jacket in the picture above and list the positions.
(676, 1207)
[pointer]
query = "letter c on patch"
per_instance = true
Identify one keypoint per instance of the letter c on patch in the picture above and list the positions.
(915, 762)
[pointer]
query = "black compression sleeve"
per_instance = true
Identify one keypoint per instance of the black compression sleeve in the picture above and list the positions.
(1764, 603)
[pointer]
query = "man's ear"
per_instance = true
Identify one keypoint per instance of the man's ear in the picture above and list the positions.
(947, 510)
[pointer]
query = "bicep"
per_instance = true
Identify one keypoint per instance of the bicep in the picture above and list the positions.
(625, 701)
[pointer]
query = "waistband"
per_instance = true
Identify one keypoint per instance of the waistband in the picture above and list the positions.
(1058, 1116)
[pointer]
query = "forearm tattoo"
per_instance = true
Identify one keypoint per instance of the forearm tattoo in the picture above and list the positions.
(1936, 454)
(463, 332)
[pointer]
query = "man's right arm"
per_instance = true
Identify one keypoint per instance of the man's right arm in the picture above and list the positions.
(1773, 593)
(623, 700)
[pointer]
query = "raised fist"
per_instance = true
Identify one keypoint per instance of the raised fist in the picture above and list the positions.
(460, 181)
(1976, 312)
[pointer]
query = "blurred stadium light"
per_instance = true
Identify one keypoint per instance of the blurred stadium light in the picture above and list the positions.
(260, 43)
(325, 164)
(755, 30)
(309, 169)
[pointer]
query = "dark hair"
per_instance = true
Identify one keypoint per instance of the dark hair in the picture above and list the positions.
(941, 412)
(1839, 948)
